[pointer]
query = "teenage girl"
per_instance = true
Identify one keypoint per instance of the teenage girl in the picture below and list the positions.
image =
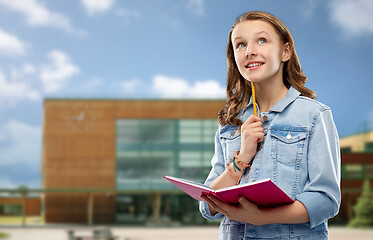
(293, 140)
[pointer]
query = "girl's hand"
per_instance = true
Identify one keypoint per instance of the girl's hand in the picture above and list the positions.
(246, 211)
(251, 134)
(249, 212)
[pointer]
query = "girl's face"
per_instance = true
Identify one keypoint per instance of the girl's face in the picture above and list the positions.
(258, 51)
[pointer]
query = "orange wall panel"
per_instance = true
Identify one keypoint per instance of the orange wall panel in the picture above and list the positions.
(33, 205)
(79, 148)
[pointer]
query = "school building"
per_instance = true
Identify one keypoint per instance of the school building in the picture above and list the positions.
(357, 165)
(114, 153)
(103, 161)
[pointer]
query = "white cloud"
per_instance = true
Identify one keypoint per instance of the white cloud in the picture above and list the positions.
(132, 86)
(169, 87)
(128, 14)
(55, 74)
(13, 91)
(20, 143)
(196, 7)
(28, 68)
(10, 44)
(20, 73)
(37, 14)
(97, 6)
(354, 17)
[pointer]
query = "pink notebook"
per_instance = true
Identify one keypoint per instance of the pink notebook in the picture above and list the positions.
(264, 192)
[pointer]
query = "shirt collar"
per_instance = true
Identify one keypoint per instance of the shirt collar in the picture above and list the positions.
(290, 97)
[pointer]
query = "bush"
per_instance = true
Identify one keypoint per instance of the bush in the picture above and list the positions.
(3, 235)
(363, 209)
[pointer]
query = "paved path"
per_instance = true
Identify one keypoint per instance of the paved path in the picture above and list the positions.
(176, 233)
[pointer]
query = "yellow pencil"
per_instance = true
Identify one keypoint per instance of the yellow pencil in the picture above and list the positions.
(254, 101)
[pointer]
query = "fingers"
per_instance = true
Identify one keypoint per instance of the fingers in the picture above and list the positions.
(252, 119)
(243, 201)
(250, 208)
(216, 204)
(254, 125)
(260, 136)
(252, 134)
(252, 122)
(246, 204)
(253, 130)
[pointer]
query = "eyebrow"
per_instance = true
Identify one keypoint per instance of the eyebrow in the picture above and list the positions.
(258, 33)
(261, 33)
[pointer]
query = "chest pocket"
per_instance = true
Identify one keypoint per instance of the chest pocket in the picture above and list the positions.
(288, 144)
(231, 141)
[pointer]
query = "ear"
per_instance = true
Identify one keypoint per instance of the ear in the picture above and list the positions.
(286, 53)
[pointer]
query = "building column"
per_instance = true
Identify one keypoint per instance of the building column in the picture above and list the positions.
(156, 206)
(23, 209)
(90, 208)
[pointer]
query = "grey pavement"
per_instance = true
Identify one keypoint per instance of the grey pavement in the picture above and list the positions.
(158, 233)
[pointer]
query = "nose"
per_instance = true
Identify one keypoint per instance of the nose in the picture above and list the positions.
(250, 51)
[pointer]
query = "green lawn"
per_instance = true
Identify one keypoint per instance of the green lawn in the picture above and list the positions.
(18, 220)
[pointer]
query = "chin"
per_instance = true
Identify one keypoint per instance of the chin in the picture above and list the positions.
(254, 80)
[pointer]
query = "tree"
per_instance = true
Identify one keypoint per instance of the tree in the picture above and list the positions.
(363, 209)
(22, 188)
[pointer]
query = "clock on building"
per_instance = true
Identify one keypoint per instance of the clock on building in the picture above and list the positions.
(80, 117)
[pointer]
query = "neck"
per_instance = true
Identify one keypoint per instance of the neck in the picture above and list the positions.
(267, 95)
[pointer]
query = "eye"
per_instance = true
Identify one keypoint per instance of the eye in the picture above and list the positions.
(241, 45)
(262, 40)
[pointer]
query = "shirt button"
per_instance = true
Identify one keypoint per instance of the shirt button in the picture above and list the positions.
(265, 118)
(288, 137)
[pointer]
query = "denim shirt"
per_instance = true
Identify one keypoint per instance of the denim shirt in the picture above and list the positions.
(300, 153)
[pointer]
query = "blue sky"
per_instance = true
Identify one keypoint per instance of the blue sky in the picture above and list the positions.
(162, 49)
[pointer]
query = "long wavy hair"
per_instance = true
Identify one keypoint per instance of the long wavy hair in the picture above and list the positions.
(239, 89)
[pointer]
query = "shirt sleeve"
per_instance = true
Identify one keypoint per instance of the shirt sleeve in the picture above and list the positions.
(321, 195)
(218, 167)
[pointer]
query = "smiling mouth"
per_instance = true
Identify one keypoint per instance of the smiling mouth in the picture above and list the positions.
(251, 65)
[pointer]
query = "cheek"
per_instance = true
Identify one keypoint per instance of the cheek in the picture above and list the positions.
(273, 60)
(237, 59)
(239, 62)
(276, 56)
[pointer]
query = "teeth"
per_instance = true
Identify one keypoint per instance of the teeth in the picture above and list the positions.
(254, 64)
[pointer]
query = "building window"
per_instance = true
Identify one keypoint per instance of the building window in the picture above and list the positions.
(346, 149)
(11, 209)
(148, 149)
(368, 147)
(353, 171)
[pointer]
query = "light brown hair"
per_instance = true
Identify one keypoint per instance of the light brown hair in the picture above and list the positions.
(239, 90)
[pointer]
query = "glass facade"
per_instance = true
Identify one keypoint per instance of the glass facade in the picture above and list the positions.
(11, 209)
(147, 150)
(357, 171)
(368, 147)
(346, 150)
